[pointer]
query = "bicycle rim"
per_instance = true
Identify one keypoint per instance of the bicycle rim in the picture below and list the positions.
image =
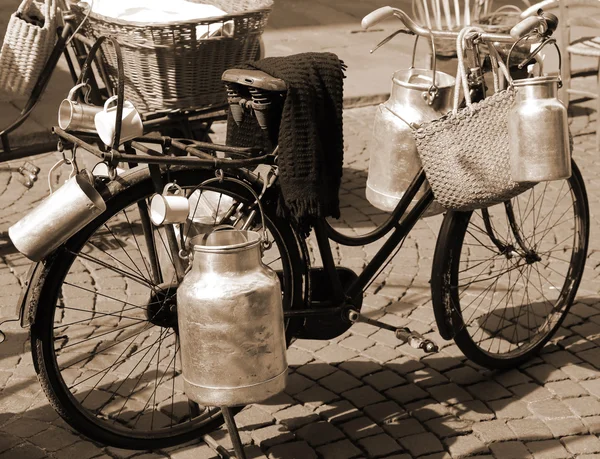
(106, 348)
(509, 274)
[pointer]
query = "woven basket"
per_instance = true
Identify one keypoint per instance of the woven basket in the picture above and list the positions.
(167, 66)
(26, 47)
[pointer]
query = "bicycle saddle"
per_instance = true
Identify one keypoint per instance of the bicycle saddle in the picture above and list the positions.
(255, 78)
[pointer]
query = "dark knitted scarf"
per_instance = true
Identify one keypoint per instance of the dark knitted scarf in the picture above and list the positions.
(311, 144)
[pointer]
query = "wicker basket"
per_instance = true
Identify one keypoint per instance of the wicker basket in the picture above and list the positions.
(167, 67)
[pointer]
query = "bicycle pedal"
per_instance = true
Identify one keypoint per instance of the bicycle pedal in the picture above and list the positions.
(26, 178)
(31, 168)
(406, 335)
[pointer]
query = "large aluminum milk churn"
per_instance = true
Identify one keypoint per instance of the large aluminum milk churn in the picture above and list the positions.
(538, 132)
(230, 319)
(394, 160)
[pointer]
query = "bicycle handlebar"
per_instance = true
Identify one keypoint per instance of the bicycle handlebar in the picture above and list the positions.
(523, 27)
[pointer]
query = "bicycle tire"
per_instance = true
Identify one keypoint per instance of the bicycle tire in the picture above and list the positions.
(487, 336)
(87, 408)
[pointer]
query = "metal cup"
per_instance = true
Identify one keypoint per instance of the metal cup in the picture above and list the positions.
(57, 218)
(168, 207)
(77, 116)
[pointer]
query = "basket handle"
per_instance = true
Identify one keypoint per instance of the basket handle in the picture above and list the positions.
(87, 66)
(24, 7)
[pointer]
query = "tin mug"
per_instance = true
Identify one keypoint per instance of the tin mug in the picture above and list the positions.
(77, 116)
(105, 121)
(169, 207)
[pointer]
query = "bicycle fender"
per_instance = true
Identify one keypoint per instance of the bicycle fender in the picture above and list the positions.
(26, 306)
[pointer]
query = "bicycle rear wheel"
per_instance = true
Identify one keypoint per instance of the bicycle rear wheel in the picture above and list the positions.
(505, 277)
(104, 341)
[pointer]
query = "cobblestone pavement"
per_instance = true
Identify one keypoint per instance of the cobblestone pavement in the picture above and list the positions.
(362, 395)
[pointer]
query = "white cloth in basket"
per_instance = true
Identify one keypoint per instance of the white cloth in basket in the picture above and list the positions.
(163, 12)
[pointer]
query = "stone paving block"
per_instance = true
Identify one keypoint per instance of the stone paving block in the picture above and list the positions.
(593, 424)
(510, 449)
(550, 409)
(310, 345)
(319, 433)
(531, 392)
(488, 390)
(381, 353)
(548, 449)
(584, 406)
(427, 409)
(450, 394)
(584, 444)
(363, 396)
(380, 445)
(53, 439)
(298, 357)
(560, 359)
(463, 375)
(24, 428)
(426, 377)
(591, 356)
(406, 393)
(253, 417)
(340, 381)
(403, 365)
(384, 412)
(296, 383)
(592, 386)
(494, 431)
(357, 343)
(341, 450)
(276, 403)
(383, 380)
(443, 364)
(566, 426)
(403, 426)
(509, 408)
(512, 378)
(80, 450)
(334, 353)
(316, 370)
(546, 373)
(566, 389)
(530, 429)
(360, 366)
(421, 444)
(24, 451)
(271, 435)
(581, 371)
(316, 396)
(360, 428)
(465, 445)
(8, 441)
(295, 417)
(338, 412)
(448, 426)
(474, 410)
(294, 450)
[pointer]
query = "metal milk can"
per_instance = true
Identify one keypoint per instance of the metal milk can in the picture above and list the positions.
(538, 132)
(230, 319)
(417, 95)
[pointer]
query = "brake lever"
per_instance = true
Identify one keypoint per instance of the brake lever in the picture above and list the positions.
(389, 37)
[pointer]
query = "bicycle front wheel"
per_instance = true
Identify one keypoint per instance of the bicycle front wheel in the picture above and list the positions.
(105, 342)
(505, 277)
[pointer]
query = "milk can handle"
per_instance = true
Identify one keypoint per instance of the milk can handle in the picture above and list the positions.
(550, 41)
(432, 92)
(265, 239)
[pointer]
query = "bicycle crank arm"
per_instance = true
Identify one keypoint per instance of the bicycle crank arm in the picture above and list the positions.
(414, 339)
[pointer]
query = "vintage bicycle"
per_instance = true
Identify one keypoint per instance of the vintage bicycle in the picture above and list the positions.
(103, 307)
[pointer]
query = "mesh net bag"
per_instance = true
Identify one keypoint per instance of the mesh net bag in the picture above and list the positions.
(465, 153)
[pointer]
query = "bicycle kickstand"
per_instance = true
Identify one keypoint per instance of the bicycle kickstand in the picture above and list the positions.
(404, 334)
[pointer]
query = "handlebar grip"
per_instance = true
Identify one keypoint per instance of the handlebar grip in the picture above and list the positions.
(377, 16)
(525, 26)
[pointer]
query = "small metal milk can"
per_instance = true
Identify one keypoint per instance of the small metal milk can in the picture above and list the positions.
(230, 319)
(417, 95)
(538, 131)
